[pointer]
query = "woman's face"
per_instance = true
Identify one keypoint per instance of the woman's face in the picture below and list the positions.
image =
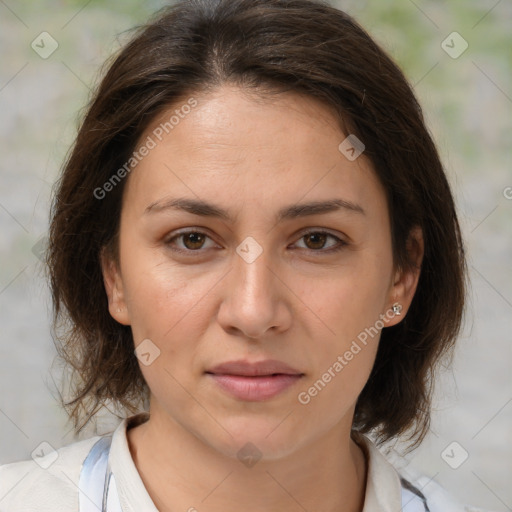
(310, 288)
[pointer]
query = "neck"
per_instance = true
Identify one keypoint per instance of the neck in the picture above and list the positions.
(182, 472)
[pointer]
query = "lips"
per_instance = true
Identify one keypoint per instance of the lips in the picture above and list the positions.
(254, 382)
(256, 369)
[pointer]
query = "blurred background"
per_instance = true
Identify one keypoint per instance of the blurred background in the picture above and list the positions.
(457, 54)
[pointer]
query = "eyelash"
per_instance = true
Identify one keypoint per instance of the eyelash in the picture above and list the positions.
(189, 252)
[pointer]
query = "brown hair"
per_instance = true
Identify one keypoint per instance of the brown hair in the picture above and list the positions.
(264, 46)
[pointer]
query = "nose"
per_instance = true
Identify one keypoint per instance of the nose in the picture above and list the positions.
(255, 299)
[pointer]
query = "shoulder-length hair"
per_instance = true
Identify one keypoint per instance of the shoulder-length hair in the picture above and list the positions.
(267, 47)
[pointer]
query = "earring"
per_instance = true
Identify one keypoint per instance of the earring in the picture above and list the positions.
(397, 309)
(119, 310)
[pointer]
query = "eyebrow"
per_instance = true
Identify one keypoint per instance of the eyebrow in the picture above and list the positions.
(294, 211)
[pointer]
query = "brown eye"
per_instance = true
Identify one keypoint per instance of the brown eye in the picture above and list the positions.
(315, 241)
(193, 240)
(188, 242)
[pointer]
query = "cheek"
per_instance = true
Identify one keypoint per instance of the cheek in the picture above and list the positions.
(160, 296)
(346, 326)
(345, 343)
(345, 351)
(348, 299)
(331, 394)
(166, 307)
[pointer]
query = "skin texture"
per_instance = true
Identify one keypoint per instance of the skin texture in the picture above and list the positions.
(295, 303)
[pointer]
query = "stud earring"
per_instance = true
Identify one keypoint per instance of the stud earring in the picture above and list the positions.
(119, 310)
(397, 309)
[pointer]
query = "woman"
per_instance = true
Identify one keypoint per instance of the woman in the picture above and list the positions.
(256, 254)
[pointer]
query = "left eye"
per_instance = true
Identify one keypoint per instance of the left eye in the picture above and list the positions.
(315, 241)
(318, 238)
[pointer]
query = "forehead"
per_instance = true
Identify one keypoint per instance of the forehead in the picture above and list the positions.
(245, 150)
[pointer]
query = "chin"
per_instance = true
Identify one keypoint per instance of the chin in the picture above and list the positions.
(264, 438)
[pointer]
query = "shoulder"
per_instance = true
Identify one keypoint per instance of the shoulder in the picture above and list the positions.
(48, 482)
(391, 486)
(432, 496)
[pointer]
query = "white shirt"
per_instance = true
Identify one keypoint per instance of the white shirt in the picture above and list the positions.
(52, 483)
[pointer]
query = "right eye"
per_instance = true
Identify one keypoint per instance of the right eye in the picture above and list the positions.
(193, 241)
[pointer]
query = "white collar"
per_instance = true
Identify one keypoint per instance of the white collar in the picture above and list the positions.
(383, 487)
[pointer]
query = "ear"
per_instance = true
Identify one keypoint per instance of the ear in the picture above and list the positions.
(114, 287)
(405, 281)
